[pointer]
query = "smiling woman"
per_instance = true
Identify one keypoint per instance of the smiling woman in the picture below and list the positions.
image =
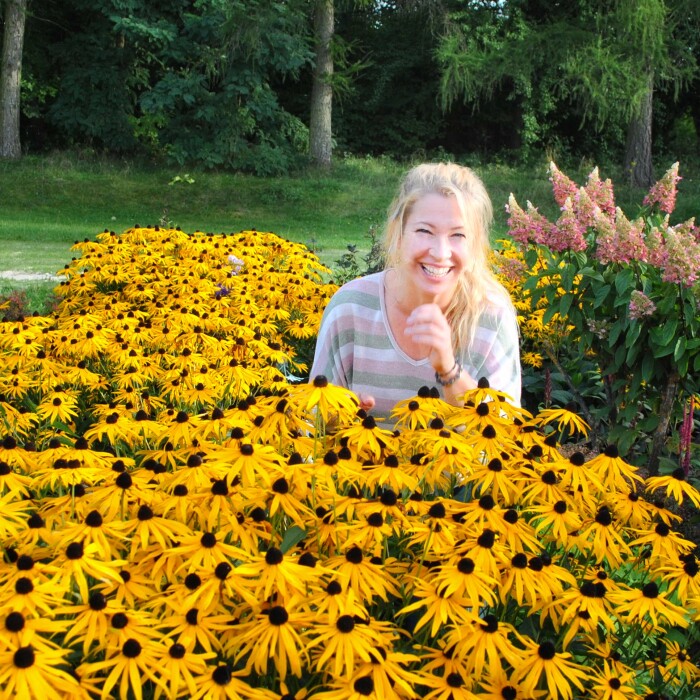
(436, 315)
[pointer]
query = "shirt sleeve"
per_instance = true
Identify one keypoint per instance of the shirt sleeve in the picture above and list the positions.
(328, 359)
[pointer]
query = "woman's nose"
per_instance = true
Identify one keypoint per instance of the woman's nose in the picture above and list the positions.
(440, 248)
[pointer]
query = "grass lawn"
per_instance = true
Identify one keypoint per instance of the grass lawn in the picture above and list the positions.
(48, 202)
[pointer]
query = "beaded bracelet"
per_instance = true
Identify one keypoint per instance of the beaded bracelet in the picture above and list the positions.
(451, 380)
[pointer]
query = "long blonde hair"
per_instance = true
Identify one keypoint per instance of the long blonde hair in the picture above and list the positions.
(477, 287)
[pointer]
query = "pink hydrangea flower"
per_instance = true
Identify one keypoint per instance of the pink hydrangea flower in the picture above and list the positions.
(568, 233)
(601, 192)
(562, 185)
(527, 226)
(621, 241)
(640, 305)
(663, 193)
(682, 264)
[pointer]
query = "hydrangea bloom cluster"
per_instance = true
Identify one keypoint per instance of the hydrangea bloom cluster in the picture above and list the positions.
(590, 220)
(179, 521)
(640, 305)
(663, 193)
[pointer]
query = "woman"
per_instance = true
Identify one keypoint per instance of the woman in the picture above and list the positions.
(436, 315)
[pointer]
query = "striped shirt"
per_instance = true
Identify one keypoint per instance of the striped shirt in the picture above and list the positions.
(356, 348)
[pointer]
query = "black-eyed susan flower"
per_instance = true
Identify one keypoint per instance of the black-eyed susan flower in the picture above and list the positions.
(675, 486)
(609, 684)
(665, 544)
(367, 577)
(127, 669)
(648, 605)
(604, 538)
(439, 607)
(275, 572)
(542, 662)
(77, 562)
(449, 686)
(614, 473)
(178, 671)
(36, 672)
(679, 665)
(682, 576)
(461, 577)
(333, 403)
(278, 634)
(485, 644)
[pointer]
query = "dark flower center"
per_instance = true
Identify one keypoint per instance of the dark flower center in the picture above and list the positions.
(354, 555)
(650, 590)
(487, 539)
(278, 615)
(97, 601)
(75, 550)
(490, 624)
(281, 486)
(604, 516)
(454, 680)
(23, 657)
(375, 520)
(221, 675)
(345, 623)
(519, 561)
(222, 570)
(437, 510)
(14, 622)
(176, 651)
(273, 556)
(131, 648)
(364, 685)
(208, 540)
(546, 651)
(388, 498)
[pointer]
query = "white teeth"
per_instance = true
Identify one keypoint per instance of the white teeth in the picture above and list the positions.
(436, 271)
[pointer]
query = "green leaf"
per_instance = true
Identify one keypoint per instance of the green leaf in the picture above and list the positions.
(647, 368)
(565, 304)
(615, 331)
(623, 280)
(680, 348)
(601, 294)
(292, 537)
(663, 335)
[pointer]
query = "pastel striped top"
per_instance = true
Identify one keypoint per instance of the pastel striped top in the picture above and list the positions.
(356, 349)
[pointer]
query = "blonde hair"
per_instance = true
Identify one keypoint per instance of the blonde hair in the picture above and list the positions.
(477, 287)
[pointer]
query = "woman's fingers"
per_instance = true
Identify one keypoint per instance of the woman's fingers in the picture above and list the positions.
(366, 401)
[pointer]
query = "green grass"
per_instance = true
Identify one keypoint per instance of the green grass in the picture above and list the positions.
(48, 202)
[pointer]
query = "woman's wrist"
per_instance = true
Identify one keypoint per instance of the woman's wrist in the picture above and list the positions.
(450, 376)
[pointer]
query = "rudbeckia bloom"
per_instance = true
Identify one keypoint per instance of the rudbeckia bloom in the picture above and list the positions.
(441, 608)
(542, 661)
(649, 605)
(29, 672)
(332, 402)
(676, 486)
(133, 664)
(609, 684)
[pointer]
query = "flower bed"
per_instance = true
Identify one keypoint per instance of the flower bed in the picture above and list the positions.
(179, 520)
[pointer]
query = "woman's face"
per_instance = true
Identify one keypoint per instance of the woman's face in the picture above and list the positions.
(434, 249)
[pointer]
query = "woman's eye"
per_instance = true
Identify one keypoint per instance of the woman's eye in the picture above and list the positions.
(459, 234)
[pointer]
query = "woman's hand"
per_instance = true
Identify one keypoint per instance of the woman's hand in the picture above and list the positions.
(366, 401)
(427, 325)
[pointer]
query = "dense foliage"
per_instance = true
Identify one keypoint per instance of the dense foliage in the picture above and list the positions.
(228, 84)
(178, 519)
(618, 309)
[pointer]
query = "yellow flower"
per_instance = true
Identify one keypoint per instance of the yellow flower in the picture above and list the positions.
(542, 662)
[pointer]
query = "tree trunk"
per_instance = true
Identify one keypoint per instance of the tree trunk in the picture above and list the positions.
(668, 399)
(638, 162)
(10, 78)
(320, 128)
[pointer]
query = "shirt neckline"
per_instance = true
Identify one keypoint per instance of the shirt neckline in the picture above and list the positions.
(385, 319)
